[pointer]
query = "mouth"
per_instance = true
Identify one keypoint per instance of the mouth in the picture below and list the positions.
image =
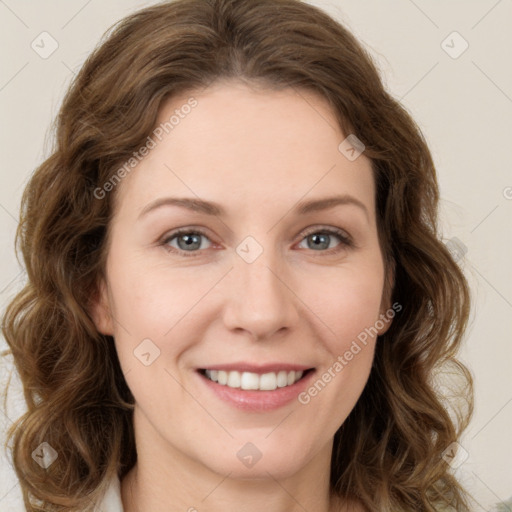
(255, 381)
(256, 387)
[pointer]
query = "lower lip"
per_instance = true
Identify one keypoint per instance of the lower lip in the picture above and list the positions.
(258, 401)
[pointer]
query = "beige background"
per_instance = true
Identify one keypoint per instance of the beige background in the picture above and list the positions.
(463, 105)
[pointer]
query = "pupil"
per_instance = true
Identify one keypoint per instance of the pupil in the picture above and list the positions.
(318, 241)
(190, 239)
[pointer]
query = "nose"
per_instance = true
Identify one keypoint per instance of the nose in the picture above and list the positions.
(259, 300)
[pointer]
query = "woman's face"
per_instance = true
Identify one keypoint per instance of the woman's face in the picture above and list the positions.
(267, 290)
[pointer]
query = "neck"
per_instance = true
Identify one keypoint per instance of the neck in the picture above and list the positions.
(168, 479)
(228, 495)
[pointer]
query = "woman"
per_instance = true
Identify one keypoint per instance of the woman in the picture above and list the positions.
(237, 297)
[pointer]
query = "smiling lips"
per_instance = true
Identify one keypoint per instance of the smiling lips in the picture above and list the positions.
(254, 381)
(256, 388)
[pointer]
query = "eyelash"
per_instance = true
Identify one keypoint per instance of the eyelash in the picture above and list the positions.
(345, 240)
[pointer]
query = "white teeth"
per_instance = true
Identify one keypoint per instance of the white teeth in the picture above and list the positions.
(268, 382)
(234, 379)
(254, 381)
(282, 379)
(249, 381)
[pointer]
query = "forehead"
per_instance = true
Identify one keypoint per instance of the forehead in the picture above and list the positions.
(247, 148)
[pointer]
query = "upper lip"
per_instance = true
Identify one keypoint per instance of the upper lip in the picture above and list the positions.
(258, 368)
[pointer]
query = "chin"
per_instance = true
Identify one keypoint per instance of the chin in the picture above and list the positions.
(248, 463)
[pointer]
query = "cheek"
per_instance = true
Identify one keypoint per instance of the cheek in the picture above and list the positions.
(348, 304)
(149, 300)
(350, 309)
(165, 306)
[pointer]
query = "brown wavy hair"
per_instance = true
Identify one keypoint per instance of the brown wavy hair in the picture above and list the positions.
(388, 453)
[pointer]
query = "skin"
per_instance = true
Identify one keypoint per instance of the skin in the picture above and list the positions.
(256, 152)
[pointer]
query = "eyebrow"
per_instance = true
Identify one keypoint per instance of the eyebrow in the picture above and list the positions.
(215, 209)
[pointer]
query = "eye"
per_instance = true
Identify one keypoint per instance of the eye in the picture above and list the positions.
(320, 239)
(187, 240)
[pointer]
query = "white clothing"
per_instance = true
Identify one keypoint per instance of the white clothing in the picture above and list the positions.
(111, 501)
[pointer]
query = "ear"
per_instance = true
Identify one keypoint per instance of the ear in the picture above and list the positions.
(100, 310)
(386, 312)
